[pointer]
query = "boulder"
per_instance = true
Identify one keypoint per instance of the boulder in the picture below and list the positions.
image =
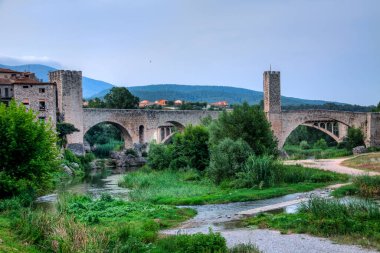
(359, 150)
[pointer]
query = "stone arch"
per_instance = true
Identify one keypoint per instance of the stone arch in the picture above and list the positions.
(128, 143)
(336, 138)
(302, 120)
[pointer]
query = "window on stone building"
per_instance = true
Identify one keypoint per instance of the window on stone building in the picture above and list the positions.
(42, 105)
(6, 92)
(25, 101)
(25, 86)
(41, 90)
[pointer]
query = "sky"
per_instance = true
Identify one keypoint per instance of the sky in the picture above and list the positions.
(325, 49)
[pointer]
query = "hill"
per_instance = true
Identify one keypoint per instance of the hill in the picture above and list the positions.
(195, 93)
(205, 93)
(90, 86)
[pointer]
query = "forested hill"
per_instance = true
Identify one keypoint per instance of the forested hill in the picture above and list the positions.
(90, 86)
(206, 93)
(193, 93)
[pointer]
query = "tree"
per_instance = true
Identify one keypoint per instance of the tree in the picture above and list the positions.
(28, 151)
(191, 148)
(121, 98)
(377, 108)
(96, 103)
(63, 130)
(354, 138)
(248, 123)
(227, 159)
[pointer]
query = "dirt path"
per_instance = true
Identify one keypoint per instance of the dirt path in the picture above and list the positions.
(331, 165)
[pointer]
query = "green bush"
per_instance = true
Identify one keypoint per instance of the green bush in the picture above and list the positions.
(321, 144)
(244, 248)
(368, 186)
(195, 243)
(304, 145)
(28, 152)
(355, 138)
(258, 171)
(131, 151)
(104, 150)
(228, 158)
(191, 148)
(159, 156)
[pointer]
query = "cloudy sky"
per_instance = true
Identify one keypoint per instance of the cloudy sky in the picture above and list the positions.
(325, 49)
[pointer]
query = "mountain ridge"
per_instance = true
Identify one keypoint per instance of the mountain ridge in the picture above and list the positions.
(195, 93)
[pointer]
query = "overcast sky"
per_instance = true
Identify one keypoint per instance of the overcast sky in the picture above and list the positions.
(325, 49)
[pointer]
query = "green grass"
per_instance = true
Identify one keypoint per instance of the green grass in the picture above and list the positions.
(10, 243)
(363, 186)
(352, 222)
(186, 188)
(369, 162)
(295, 152)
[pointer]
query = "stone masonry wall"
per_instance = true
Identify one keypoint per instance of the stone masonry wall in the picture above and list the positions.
(33, 94)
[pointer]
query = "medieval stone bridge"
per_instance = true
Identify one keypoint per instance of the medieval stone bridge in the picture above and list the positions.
(333, 123)
(143, 126)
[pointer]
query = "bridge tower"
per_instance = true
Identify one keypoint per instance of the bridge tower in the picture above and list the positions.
(272, 102)
(69, 99)
(272, 92)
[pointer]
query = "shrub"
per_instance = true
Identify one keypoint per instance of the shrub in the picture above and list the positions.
(28, 152)
(227, 159)
(191, 148)
(244, 248)
(355, 137)
(104, 150)
(368, 186)
(131, 151)
(321, 144)
(195, 243)
(258, 171)
(159, 156)
(304, 145)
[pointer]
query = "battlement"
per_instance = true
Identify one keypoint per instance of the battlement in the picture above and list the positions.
(271, 72)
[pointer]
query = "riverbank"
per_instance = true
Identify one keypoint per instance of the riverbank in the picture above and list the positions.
(191, 188)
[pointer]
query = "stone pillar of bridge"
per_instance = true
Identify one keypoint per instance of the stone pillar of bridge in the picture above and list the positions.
(69, 103)
(272, 103)
(373, 130)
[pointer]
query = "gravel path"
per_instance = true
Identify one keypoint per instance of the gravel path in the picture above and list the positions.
(331, 165)
(269, 241)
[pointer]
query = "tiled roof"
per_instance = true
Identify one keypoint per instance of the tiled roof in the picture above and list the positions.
(5, 81)
(8, 71)
(25, 80)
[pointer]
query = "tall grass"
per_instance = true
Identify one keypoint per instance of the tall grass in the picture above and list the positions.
(156, 185)
(104, 150)
(349, 221)
(368, 186)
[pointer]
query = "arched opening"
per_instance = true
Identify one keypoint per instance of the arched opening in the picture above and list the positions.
(141, 134)
(319, 139)
(166, 131)
(105, 137)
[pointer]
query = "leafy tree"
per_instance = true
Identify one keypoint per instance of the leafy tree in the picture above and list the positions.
(63, 130)
(304, 145)
(228, 158)
(159, 156)
(96, 103)
(377, 108)
(28, 151)
(248, 123)
(191, 148)
(355, 138)
(121, 98)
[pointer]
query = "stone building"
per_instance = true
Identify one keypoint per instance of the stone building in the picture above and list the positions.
(25, 88)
